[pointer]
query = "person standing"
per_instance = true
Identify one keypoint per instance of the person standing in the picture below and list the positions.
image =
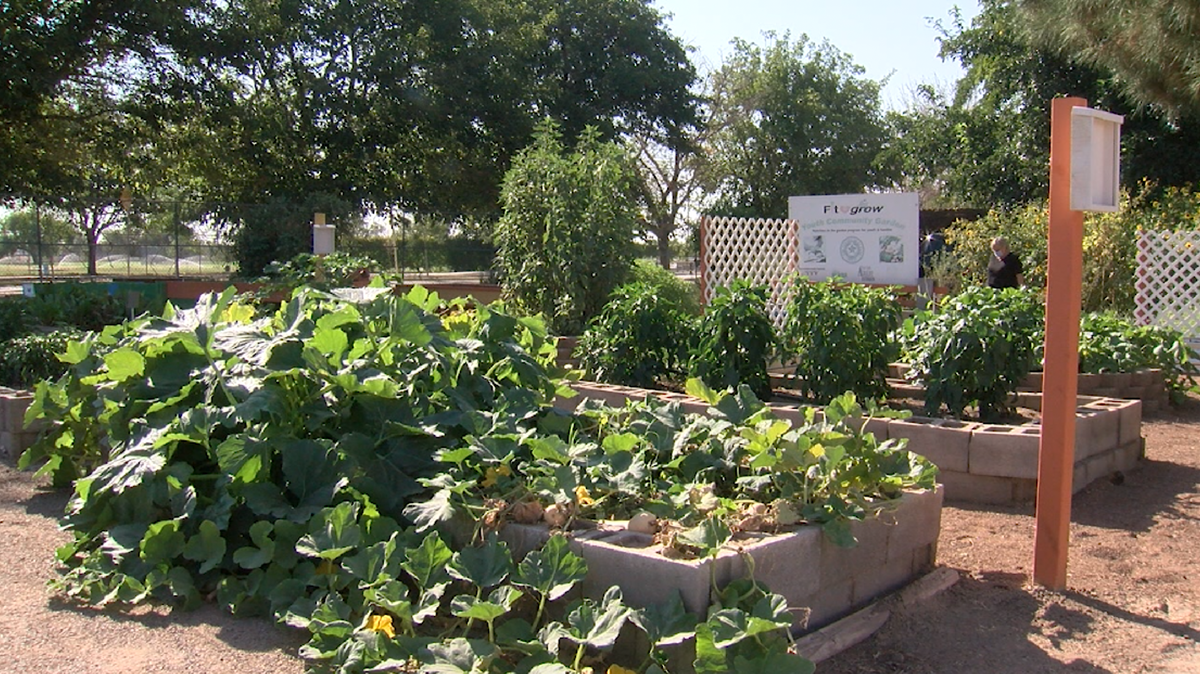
(1004, 270)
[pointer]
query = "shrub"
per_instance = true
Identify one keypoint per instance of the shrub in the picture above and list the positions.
(641, 338)
(14, 318)
(86, 306)
(1108, 343)
(683, 295)
(839, 336)
(563, 242)
(336, 270)
(976, 348)
(734, 340)
(27, 360)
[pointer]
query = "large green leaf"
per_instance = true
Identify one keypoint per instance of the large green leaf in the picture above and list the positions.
(163, 542)
(485, 565)
(263, 550)
(206, 546)
(124, 364)
(666, 624)
(333, 533)
(773, 663)
(597, 624)
(426, 563)
(551, 571)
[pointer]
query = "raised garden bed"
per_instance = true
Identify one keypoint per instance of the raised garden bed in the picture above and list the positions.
(982, 463)
(805, 566)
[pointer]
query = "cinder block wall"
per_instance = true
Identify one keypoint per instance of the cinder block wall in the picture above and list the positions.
(14, 437)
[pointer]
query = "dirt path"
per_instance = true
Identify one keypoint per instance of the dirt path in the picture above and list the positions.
(1133, 604)
(1133, 598)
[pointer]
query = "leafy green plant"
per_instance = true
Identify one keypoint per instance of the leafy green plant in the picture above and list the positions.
(735, 338)
(975, 348)
(27, 360)
(343, 463)
(15, 320)
(86, 306)
(640, 339)
(839, 337)
(1109, 343)
(563, 242)
(682, 294)
(336, 270)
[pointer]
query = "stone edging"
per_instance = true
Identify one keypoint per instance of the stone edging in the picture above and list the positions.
(14, 437)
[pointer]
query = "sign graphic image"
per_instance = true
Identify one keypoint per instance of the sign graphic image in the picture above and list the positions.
(862, 238)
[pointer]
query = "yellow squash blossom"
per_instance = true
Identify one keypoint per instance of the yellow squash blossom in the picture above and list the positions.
(618, 669)
(582, 497)
(382, 624)
(492, 475)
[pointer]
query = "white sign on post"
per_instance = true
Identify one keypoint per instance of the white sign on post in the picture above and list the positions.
(1095, 160)
(861, 238)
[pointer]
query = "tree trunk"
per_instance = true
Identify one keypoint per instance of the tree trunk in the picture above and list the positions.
(663, 234)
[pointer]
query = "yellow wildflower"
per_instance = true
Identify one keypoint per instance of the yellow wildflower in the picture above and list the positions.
(582, 497)
(492, 475)
(381, 624)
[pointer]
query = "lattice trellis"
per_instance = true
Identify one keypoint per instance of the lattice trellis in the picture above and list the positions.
(1168, 282)
(756, 250)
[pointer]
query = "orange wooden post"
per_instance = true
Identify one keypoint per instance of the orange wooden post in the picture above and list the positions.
(1064, 265)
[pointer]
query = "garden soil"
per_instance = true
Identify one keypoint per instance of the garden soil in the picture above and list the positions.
(1132, 606)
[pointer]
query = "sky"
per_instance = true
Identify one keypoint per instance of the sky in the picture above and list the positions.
(886, 37)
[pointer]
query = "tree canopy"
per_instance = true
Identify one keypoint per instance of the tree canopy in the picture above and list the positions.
(792, 118)
(1152, 46)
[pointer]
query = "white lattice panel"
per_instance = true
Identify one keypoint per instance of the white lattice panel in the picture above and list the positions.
(1168, 282)
(760, 251)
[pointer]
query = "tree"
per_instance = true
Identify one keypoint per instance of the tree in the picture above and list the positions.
(1151, 46)
(672, 181)
(564, 240)
(988, 144)
(790, 119)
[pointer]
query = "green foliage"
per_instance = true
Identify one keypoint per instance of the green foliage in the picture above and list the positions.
(336, 270)
(1109, 244)
(640, 339)
(735, 338)
(569, 217)
(27, 360)
(86, 306)
(14, 318)
(986, 144)
(975, 348)
(1108, 343)
(280, 229)
(792, 118)
(839, 337)
(684, 295)
(1149, 46)
(274, 461)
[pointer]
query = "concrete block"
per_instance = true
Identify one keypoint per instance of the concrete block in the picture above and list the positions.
(945, 442)
(1097, 428)
(1079, 478)
(838, 563)
(985, 488)
(1099, 466)
(12, 445)
(645, 576)
(915, 527)
(1127, 456)
(15, 403)
(831, 603)
(1031, 382)
(1005, 451)
(887, 578)
(1088, 383)
(788, 564)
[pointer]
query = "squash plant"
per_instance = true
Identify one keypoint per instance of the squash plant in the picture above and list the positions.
(342, 464)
